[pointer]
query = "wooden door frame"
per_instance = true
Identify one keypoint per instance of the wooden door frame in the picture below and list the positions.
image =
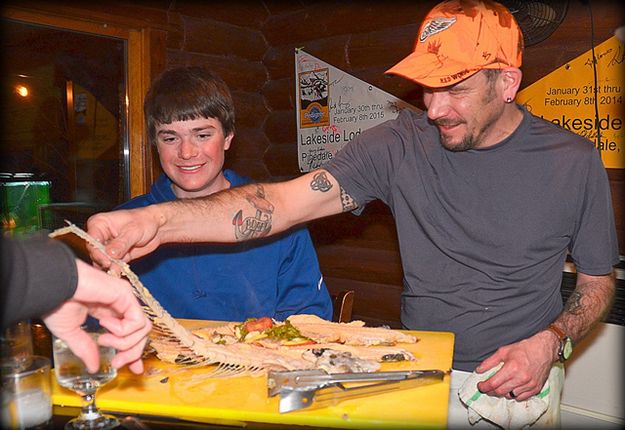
(146, 58)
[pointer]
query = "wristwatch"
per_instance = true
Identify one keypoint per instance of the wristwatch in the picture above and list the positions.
(566, 343)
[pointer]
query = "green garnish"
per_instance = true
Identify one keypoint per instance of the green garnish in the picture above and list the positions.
(285, 331)
(242, 331)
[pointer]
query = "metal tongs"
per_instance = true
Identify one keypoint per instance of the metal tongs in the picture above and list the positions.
(299, 389)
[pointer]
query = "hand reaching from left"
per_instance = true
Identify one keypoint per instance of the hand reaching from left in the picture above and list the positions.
(112, 302)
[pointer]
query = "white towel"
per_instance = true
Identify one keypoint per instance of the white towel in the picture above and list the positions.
(509, 414)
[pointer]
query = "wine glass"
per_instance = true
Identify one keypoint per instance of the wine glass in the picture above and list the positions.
(71, 373)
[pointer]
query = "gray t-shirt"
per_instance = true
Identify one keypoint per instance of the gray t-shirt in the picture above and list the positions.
(484, 233)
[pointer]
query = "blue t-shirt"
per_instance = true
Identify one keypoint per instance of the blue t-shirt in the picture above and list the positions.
(277, 276)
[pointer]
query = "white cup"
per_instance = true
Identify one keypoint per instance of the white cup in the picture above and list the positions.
(27, 396)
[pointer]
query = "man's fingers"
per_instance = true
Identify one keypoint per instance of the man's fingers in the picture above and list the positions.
(99, 259)
(129, 356)
(127, 341)
(118, 248)
(85, 348)
(522, 393)
(136, 367)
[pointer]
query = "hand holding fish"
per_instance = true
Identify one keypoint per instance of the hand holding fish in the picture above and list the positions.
(126, 234)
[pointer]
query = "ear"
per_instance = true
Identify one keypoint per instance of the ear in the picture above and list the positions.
(511, 81)
(228, 141)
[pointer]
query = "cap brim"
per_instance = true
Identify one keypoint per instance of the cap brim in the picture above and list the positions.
(426, 70)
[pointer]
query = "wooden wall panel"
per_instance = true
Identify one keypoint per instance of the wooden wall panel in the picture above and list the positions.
(242, 13)
(122, 13)
(252, 168)
(372, 48)
(279, 60)
(213, 37)
(280, 94)
(361, 264)
(374, 228)
(324, 19)
(280, 128)
(374, 303)
(250, 108)
(277, 7)
(175, 33)
(248, 143)
(281, 155)
(240, 74)
(281, 161)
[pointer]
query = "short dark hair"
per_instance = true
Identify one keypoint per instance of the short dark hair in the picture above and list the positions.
(186, 93)
(491, 75)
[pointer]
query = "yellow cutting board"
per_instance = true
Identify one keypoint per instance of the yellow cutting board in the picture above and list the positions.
(241, 400)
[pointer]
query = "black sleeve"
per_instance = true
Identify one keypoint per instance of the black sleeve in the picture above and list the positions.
(38, 274)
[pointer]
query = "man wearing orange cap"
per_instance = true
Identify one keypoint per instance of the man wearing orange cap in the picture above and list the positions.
(488, 201)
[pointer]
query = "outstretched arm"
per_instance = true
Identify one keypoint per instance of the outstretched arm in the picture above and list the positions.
(233, 215)
(42, 277)
(527, 363)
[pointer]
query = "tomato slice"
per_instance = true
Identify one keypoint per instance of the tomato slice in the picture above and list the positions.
(260, 324)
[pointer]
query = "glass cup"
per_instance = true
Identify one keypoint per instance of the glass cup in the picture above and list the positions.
(16, 347)
(72, 374)
(27, 396)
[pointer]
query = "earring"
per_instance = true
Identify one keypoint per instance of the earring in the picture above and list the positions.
(509, 100)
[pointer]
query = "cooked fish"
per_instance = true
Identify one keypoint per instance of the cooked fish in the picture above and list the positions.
(352, 333)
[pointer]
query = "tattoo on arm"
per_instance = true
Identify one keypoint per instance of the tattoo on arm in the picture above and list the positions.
(573, 304)
(586, 306)
(347, 201)
(320, 182)
(258, 225)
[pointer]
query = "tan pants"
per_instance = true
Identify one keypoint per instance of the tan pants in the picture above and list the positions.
(457, 417)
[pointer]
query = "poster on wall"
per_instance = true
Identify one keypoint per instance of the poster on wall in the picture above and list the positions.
(333, 107)
(566, 97)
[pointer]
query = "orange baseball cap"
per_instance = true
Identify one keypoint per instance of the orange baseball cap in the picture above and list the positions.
(457, 39)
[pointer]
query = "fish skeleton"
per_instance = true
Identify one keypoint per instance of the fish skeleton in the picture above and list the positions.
(174, 343)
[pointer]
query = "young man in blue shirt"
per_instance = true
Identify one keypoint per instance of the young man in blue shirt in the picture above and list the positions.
(190, 119)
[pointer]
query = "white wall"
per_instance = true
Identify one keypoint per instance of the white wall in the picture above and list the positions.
(594, 375)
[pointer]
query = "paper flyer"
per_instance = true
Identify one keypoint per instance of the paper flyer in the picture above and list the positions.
(333, 107)
(566, 97)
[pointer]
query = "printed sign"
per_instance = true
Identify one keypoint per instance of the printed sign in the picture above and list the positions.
(313, 92)
(566, 97)
(333, 107)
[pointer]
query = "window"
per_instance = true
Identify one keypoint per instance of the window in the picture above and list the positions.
(71, 114)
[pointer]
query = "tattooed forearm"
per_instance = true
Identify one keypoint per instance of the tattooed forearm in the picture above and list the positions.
(587, 305)
(320, 182)
(258, 225)
(573, 304)
(347, 201)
